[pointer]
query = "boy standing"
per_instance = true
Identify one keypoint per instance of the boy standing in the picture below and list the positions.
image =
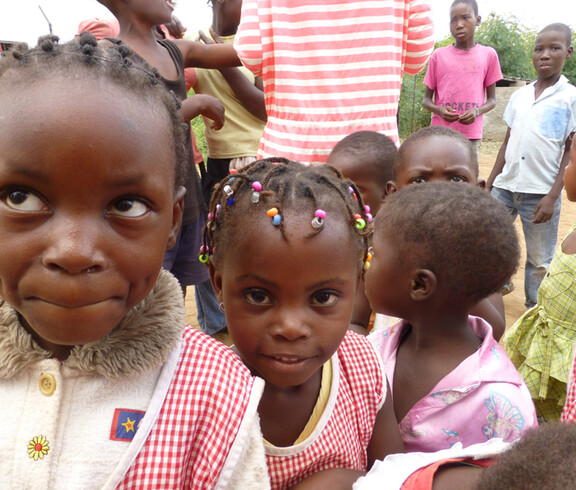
(461, 78)
(528, 172)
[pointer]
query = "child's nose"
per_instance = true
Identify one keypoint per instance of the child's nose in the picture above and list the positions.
(73, 247)
(291, 324)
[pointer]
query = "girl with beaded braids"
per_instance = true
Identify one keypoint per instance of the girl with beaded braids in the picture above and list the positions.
(102, 384)
(286, 245)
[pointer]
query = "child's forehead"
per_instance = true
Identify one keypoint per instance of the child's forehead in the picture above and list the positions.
(461, 8)
(553, 36)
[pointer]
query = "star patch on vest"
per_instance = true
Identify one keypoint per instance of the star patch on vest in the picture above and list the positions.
(125, 424)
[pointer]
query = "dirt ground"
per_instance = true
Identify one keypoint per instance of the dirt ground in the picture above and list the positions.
(514, 302)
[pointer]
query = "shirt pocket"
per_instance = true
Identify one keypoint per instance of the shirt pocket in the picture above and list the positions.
(554, 122)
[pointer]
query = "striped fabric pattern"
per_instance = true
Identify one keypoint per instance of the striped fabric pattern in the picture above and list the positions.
(331, 67)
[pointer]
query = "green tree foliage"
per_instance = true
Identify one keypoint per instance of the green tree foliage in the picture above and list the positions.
(514, 44)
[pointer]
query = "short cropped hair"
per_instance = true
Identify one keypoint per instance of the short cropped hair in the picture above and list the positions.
(560, 28)
(545, 457)
(459, 232)
(471, 3)
(84, 58)
(417, 138)
(370, 148)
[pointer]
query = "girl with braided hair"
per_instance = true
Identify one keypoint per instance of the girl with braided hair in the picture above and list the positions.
(286, 245)
(102, 383)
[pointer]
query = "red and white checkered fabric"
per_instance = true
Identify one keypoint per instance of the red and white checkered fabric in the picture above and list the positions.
(569, 411)
(344, 441)
(199, 421)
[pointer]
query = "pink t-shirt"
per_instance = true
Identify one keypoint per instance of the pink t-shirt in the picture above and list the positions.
(484, 397)
(459, 79)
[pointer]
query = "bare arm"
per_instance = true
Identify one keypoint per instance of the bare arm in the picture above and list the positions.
(446, 113)
(499, 163)
(386, 438)
(545, 208)
(251, 95)
(334, 479)
(200, 55)
(208, 106)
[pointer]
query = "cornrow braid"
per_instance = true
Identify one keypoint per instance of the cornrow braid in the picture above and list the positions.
(83, 57)
(272, 185)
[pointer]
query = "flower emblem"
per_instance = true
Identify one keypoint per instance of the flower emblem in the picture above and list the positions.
(38, 448)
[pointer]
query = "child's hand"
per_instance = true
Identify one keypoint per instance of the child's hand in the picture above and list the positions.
(176, 28)
(448, 114)
(213, 39)
(468, 117)
(212, 108)
(544, 209)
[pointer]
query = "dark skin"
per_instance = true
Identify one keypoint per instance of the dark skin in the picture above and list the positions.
(226, 17)
(439, 159)
(463, 22)
(423, 356)
(137, 29)
(550, 53)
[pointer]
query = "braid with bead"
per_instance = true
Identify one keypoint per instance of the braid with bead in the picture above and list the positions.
(282, 184)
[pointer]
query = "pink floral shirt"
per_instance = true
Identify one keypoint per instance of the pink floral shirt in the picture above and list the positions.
(484, 397)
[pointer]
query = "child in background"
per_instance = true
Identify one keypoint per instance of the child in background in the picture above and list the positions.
(527, 174)
(103, 385)
(236, 144)
(331, 68)
(138, 22)
(461, 78)
(541, 343)
(438, 250)
(367, 159)
(439, 154)
(288, 293)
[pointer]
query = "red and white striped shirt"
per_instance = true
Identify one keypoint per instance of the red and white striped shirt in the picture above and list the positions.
(341, 436)
(331, 67)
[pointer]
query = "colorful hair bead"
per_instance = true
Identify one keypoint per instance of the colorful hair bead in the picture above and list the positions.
(272, 212)
(351, 190)
(233, 170)
(217, 210)
(228, 190)
(319, 217)
(276, 220)
(369, 217)
(257, 187)
(359, 223)
(203, 257)
(367, 261)
(230, 201)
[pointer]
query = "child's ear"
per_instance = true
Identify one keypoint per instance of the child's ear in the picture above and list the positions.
(478, 20)
(570, 52)
(216, 280)
(391, 187)
(423, 284)
(481, 183)
(177, 212)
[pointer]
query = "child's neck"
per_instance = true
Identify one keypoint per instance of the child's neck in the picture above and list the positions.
(544, 83)
(285, 411)
(428, 351)
(466, 45)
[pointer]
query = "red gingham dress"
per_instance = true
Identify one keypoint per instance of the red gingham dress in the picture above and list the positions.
(341, 438)
(569, 411)
(199, 420)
